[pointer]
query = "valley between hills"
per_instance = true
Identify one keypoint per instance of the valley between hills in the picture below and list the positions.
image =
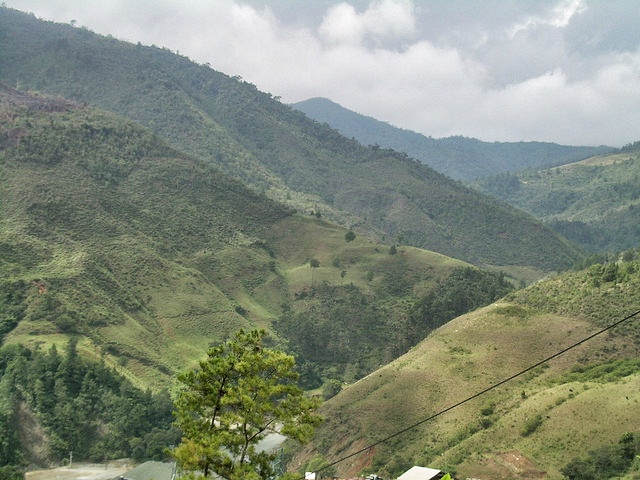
(150, 207)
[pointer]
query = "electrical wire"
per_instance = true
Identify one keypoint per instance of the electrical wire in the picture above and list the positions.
(482, 392)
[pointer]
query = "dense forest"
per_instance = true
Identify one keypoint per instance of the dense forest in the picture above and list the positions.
(84, 408)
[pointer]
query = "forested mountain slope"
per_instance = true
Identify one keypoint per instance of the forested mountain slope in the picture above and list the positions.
(570, 415)
(145, 256)
(594, 202)
(151, 254)
(101, 225)
(458, 157)
(273, 148)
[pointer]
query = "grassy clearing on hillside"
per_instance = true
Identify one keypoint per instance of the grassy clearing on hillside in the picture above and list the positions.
(465, 356)
(545, 418)
(360, 259)
(568, 417)
(594, 202)
(598, 160)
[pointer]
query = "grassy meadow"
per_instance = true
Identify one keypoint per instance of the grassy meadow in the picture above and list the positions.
(529, 427)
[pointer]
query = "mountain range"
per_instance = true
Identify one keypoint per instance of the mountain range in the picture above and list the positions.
(458, 157)
(275, 149)
(150, 206)
(586, 194)
(151, 254)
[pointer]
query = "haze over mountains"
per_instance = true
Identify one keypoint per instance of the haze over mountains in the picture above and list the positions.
(458, 157)
(587, 194)
(150, 206)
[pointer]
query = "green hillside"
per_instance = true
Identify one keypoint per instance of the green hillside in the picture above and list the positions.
(142, 257)
(101, 225)
(130, 242)
(583, 401)
(458, 157)
(151, 255)
(273, 148)
(594, 203)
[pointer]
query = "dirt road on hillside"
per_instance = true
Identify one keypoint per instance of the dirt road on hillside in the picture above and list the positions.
(80, 472)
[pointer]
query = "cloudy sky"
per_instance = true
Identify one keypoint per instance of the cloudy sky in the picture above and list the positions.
(565, 71)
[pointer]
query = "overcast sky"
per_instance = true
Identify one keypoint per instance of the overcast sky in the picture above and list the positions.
(565, 71)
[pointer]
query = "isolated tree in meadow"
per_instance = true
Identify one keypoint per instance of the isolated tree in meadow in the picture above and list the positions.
(239, 394)
(313, 263)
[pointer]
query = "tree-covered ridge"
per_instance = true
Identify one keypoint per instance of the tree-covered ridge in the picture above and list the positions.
(273, 148)
(122, 156)
(458, 157)
(593, 203)
(104, 226)
(631, 147)
(343, 333)
(603, 292)
(82, 407)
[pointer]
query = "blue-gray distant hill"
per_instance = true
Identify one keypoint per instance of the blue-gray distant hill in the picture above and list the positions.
(461, 158)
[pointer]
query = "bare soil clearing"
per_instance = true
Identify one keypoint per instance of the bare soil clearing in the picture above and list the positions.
(81, 472)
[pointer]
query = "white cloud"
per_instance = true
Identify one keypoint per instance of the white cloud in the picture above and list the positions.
(440, 68)
(602, 109)
(559, 16)
(382, 21)
(342, 25)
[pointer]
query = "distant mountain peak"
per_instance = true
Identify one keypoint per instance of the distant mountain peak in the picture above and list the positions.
(459, 157)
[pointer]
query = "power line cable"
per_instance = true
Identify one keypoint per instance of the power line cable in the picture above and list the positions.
(482, 392)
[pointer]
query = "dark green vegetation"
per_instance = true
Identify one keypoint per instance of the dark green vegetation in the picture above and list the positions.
(567, 415)
(595, 203)
(609, 461)
(346, 333)
(241, 393)
(458, 157)
(79, 406)
(275, 149)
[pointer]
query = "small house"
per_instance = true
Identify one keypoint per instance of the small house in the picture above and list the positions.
(421, 473)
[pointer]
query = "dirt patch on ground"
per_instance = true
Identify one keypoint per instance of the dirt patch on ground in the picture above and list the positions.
(514, 465)
(81, 472)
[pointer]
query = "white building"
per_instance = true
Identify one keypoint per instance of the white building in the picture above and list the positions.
(421, 473)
